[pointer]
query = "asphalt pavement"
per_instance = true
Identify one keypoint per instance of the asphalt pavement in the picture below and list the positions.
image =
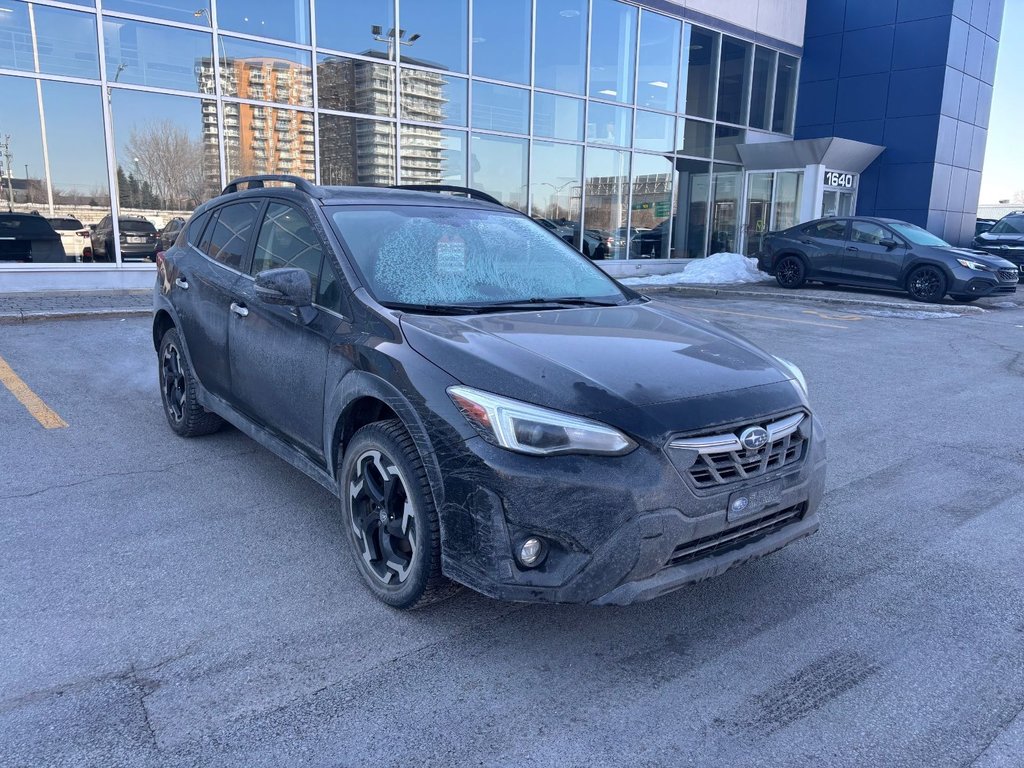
(175, 602)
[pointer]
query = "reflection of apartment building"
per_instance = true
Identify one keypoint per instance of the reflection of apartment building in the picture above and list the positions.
(362, 152)
(260, 139)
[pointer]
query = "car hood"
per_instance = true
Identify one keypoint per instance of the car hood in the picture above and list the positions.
(598, 360)
(982, 257)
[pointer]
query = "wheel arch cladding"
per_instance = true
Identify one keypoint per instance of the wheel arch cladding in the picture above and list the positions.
(920, 261)
(162, 323)
(361, 398)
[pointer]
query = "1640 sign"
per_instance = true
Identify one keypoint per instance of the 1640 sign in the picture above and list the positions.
(838, 179)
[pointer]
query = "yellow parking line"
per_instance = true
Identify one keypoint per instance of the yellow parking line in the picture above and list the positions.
(40, 411)
(767, 317)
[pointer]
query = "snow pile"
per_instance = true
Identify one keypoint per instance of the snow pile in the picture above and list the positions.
(719, 269)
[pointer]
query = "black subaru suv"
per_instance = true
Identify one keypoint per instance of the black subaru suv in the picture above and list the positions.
(1005, 239)
(488, 405)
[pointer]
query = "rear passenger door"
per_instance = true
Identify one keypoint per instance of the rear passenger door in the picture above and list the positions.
(204, 288)
(278, 361)
(870, 261)
(824, 243)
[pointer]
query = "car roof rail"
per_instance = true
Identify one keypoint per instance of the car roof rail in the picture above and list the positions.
(259, 182)
(472, 194)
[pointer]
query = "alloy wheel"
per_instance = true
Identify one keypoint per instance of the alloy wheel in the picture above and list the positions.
(925, 283)
(789, 271)
(173, 382)
(383, 519)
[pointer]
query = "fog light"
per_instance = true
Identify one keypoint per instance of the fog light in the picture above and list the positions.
(531, 552)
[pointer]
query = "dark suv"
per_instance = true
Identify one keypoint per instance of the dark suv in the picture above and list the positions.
(1005, 239)
(138, 239)
(883, 253)
(489, 406)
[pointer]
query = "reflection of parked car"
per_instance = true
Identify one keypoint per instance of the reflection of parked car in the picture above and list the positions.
(167, 235)
(73, 235)
(29, 238)
(595, 244)
(983, 225)
(1005, 239)
(138, 239)
(883, 253)
(446, 373)
(652, 243)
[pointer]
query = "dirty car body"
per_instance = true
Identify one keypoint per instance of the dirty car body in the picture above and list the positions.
(641, 448)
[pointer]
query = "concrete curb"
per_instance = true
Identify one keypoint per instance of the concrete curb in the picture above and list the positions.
(711, 291)
(21, 318)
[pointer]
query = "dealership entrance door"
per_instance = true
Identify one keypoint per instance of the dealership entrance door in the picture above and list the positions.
(789, 182)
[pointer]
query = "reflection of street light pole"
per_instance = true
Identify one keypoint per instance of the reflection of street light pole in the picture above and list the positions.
(202, 12)
(378, 34)
(6, 154)
(120, 68)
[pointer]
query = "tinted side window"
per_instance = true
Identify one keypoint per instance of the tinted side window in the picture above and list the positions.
(227, 238)
(287, 240)
(868, 233)
(195, 229)
(331, 288)
(830, 230)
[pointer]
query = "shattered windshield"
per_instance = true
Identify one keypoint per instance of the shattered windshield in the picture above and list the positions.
(466, 257)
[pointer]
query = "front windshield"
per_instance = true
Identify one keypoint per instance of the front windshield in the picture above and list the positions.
(464, 256)
(919, 236)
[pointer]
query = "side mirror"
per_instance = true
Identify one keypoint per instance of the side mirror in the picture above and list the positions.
(888, 244)
(285, 287)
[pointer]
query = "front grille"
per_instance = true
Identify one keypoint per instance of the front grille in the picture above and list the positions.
(736, 537)
(1009, 274)
(722, 459)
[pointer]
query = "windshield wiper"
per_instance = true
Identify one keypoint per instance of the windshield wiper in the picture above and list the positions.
(535, 303)
(432, 309)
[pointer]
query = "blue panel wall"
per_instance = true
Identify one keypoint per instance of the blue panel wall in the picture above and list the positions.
(916, 77)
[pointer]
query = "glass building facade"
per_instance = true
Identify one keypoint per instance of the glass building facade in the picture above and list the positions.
(613, 124)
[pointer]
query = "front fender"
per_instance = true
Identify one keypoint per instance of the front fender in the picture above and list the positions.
(359, 384)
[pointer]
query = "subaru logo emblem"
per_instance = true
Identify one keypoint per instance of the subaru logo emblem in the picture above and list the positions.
(754, 438)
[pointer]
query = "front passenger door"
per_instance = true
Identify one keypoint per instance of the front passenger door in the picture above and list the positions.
(278, 362)
(868, 260)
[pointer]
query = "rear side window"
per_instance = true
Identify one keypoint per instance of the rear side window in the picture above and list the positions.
(25, 226)
(287, 240)
(830, 230)
(1009, 225)
(227, 238)
(65, 223)
(146, 227)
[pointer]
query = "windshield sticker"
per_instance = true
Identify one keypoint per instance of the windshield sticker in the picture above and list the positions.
(451, 255)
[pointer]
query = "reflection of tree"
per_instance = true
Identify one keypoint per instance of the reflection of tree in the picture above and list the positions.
(134, 192)
(169, 165)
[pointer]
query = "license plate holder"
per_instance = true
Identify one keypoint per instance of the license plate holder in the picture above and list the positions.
(751, 501)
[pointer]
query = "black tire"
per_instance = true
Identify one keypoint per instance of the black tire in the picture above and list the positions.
(790, 272)
(926, 283)
(388, 511)
(178, 391)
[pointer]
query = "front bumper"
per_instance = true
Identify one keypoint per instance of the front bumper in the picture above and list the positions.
(616, 527)
(969, 282)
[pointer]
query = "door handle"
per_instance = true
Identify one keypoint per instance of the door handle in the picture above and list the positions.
(807, 242)
(181, 283)
(852, 248)
(239, 310)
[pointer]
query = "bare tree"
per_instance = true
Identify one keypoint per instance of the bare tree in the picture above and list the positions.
(171, 161)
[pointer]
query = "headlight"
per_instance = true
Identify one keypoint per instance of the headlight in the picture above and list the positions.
(530, 429)
(977, 266)
(795, 372)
